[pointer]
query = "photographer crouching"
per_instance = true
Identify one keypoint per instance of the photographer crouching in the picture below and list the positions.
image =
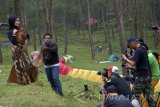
(111, 76)
(112, 99)
(142, 73)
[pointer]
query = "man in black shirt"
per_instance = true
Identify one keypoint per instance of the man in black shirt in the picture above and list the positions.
(112, 99)
(142, 73)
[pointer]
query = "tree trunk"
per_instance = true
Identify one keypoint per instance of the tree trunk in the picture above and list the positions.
(129, 11)
(34, 40)
(52, 23)
(50, 16)
(107, 22)
(135, 18)
(112, 27)
(81, 27)
(104, 25)
(48, 6)
(153, 19)
(109, 42)
(109, 39)
(89, 30)
(80, 18)
(38, 20)
(64, 28)
(119, 17)
(17, 8)
(1, 58)
(22, 15)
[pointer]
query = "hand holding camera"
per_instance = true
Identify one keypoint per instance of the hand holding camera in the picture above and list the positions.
(43, 47)
(155, 27)
(14, 32)
(103, 73)
(124, 57)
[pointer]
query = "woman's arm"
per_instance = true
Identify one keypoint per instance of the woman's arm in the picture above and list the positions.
(12, 36)
(37, 62)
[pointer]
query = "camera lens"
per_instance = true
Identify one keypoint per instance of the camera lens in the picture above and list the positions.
(99, 72)
(155, 27)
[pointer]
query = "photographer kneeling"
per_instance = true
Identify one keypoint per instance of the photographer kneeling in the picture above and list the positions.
(114, 79)
(112, 99)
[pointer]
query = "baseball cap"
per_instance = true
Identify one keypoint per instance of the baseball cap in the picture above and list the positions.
(111, 89)
(113, 69)
(132, 39)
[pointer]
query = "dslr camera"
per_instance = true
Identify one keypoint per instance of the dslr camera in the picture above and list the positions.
(103, 72)
(155, 27)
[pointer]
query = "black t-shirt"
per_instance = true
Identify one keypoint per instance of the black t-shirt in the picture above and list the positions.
(122, 86)
(142, 65)
(50, 54)
(117, 101)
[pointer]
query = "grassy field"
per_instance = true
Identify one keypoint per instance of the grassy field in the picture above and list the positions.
(39, 94)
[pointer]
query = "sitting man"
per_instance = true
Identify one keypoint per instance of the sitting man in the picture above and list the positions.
(120, 83)
(112, 99)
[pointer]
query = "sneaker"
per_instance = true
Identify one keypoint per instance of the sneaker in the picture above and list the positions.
(60, 94)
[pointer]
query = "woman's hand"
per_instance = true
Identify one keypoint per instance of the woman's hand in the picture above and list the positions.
(26, 42)
(14, 32)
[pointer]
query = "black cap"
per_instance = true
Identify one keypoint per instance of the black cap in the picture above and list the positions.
(132, 39)
(111, 89)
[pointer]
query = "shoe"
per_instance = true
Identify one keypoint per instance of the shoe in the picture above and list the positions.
(60, 94)
(53, 89)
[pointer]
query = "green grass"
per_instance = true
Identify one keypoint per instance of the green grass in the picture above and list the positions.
(39, 94)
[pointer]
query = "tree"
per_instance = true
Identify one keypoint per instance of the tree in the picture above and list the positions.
(1, 58)
(119, 16)
(108, 30)
(38, 18)
(89, 30)
(48, 8)
(17, 8)
(104, 25)
(64, 27)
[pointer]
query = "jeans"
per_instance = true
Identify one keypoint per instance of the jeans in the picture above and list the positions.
(99, 105)
(53, 77)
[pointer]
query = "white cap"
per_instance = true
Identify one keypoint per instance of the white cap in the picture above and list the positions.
(113, 69)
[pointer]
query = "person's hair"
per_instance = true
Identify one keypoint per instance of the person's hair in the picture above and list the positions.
(11, 21)
(143, 44)
(115, 74)
(156, 55)
(47, 34)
